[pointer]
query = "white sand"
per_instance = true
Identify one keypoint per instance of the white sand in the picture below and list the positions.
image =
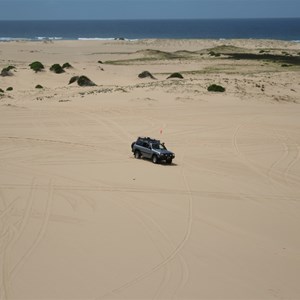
(80, 218)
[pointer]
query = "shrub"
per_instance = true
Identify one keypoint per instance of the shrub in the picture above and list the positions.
(56, 68)
(9, 88)
(175, 75)
(6, 71)
(213, 53)
(85, 81)
(1, 91)
(38, 86)
(82, 81)
(66, 66)
(10, 68)
(73, 79)
(146, 74)
(37, 66)
(216, 88)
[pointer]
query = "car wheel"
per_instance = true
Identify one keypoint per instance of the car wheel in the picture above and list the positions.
(137, 154)
(154, 159)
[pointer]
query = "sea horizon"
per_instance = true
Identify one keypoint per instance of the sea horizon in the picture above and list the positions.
(132, 29)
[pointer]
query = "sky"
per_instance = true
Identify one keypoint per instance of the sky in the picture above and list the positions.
(146, 9)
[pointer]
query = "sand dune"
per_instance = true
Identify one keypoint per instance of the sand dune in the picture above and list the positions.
(80, 218)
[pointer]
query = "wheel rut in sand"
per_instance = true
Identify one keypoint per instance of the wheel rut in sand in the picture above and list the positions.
(168, 256)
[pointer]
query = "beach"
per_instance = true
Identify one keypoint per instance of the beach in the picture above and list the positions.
(81, 218)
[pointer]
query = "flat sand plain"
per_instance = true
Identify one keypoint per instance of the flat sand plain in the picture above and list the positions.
(81, 218)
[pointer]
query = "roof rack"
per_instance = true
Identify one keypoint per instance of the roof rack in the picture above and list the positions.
(148, 139)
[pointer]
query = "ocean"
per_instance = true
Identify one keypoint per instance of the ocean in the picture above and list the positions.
(280, 29)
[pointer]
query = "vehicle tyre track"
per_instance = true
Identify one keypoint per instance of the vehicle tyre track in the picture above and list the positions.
(173, 253)
(282, 158)
(14, 235)
(251, 165)
(295, 159)
(40, 234)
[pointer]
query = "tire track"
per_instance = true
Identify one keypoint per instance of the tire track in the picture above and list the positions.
(130, 189)
(288, 150)
(282, 158)
(48, 154)
(281, 189)
(199, 130)
(185, 274)
(75, 195)
(112, 127)
(183, 266)
(172, 254)
(296, 158)
(250, 164)
(27, 212)
(8, 208)
(141, 217)
(45, 140)
(14, 234)
(40, 234)
(4, 287)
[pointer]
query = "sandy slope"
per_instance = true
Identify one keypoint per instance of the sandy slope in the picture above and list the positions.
(80, 218)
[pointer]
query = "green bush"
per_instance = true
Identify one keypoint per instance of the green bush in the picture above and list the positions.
(85, 81)
(36, 66)
(82, 81)
(146, 74)
(56, 68)
(66, 66)
(73, 79)
(1, 91)
(216, 88)
(6, 71)
(10, 68)
(10, 88)
(38, 86)
(212, 53)
(175, 75)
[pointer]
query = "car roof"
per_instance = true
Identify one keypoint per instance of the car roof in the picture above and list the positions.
(148, 139)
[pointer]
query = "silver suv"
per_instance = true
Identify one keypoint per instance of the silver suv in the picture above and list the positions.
(153, 149)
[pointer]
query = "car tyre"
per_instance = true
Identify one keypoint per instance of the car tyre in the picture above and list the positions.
(137, 154)
(155, 159)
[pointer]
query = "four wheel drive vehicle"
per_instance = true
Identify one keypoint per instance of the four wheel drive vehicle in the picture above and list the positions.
(152, 149)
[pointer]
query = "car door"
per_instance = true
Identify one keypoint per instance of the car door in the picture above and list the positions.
(146, 150)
